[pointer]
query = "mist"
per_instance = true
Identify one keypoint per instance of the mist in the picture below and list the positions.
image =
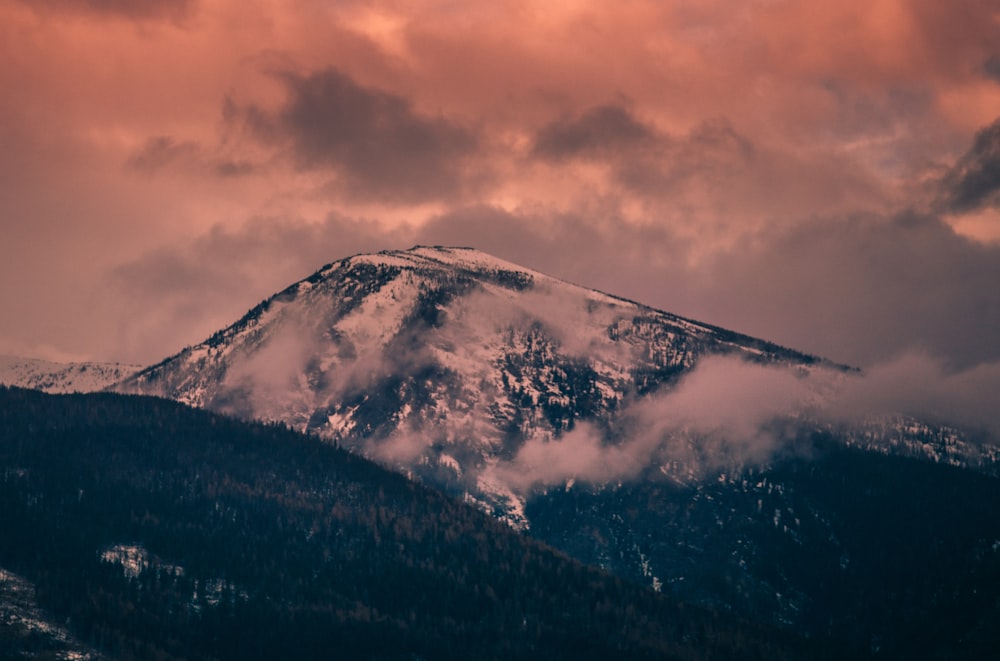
(730, 414)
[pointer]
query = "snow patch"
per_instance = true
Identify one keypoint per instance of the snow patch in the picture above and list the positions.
(135, 559)
(450, 462)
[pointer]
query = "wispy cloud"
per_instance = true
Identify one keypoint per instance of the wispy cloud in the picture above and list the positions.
(729, 414)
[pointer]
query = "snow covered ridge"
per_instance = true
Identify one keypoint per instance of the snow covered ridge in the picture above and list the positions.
(452, 365)
(61, 377)
(495, 382)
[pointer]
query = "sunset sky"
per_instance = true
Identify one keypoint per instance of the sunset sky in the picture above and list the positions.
(822, 175)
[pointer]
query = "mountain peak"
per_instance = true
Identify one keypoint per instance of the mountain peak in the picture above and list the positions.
(444, 361)
(467, 259)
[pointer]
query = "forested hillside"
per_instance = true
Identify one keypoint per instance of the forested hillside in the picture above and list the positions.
(161, 532)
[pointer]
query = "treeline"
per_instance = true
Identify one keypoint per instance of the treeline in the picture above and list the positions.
(257, 542)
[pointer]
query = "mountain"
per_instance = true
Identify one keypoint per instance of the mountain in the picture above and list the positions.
(156, 531)
(61, 377)
(444, 361)
(686, 457)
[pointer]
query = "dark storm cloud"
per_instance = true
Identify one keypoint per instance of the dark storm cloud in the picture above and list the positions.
(134, 9)
(974, 182)
(379, 145)
(598, 132)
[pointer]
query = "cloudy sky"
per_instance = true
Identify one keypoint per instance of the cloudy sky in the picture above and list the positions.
(823, 175)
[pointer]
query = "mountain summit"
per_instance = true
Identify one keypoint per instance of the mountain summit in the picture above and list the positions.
(446, 362)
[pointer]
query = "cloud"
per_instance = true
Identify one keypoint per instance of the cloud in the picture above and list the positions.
(165, 154)
(144, 9)
(729, 414)
(159, 152)
(376, 142)
(598, 132)
(711, 156)
(920, 386)
(713, 180)
(652, 149)
(991, 67)
(859, 290)
(646, 161)
(724, 413)
(974, 181)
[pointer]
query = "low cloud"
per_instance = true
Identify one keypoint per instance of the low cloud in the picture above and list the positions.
(729, 414)
(726, 412)
(923, 387)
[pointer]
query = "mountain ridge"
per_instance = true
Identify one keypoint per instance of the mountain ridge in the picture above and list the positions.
(58, 377)
(471, 353)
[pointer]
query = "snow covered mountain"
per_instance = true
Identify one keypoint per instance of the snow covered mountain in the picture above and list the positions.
(492, 380)
(449, 363)
(61, 377)
(680, 455)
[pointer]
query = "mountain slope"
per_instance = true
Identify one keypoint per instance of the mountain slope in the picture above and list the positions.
(61, 377)
(898, 557)
(27, 632)
(443, 361)
(159, 531)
